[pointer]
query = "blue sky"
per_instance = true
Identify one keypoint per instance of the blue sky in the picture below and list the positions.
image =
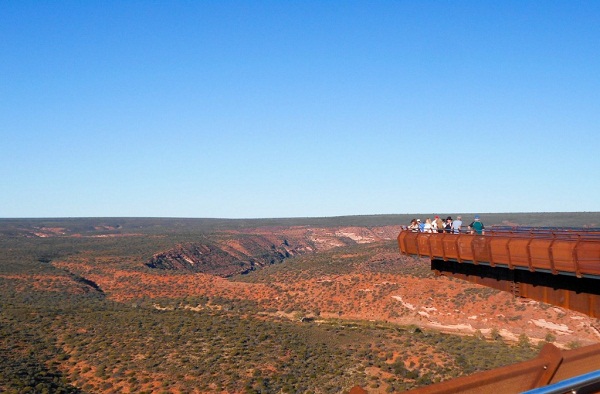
(252, 109)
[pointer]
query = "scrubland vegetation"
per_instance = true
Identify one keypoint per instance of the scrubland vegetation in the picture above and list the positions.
(67, 330)
(88, 344)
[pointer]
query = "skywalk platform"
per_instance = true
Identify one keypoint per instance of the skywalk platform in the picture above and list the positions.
(559, 266)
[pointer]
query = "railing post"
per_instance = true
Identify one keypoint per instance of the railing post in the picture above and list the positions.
(430, 248)
(576, 257)
(443, 248)
(551, 255)
(510, 264)
(488, 242)
(458, 248)
(473, 250)
(405, 243)
(527, 247)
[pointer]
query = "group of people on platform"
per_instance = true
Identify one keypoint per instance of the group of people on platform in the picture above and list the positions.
(437, 225)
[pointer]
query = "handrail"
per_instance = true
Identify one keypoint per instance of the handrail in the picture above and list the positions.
(570, 385)
(560, 232)
(566, 232)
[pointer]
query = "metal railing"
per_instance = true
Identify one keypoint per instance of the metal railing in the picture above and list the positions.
(572, 251)
(590, 380)
(553, 371)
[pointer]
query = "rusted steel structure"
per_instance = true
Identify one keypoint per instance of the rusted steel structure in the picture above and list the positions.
(559, 266)
(549, 368)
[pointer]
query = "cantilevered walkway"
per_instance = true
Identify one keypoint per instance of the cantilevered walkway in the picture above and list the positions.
(559, 266)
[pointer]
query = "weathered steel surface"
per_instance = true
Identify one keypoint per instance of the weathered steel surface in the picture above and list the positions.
(578, 361)
(552, 365)
(570, 252)
(556, 266)
(583, 384)
(559, 267)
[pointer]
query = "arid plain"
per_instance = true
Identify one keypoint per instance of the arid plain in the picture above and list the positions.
(173, 305)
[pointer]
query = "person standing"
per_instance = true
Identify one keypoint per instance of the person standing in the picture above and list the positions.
(428, 228)
(477, 226)
(439, 224)
(413, 226)
(448, 225)
(456, 225)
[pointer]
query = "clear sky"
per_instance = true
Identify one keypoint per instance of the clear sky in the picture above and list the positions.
(253, 109)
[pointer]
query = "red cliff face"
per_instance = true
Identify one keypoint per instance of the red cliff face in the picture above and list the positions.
(220, 260)
(239, 253)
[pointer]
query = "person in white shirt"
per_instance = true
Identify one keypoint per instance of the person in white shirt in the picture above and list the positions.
(456, 225)
(427, 227)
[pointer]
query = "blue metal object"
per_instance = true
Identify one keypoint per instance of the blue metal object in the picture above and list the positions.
(571, 385)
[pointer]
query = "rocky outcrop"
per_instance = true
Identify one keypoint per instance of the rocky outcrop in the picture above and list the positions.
(239, 253)
(229, 258)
